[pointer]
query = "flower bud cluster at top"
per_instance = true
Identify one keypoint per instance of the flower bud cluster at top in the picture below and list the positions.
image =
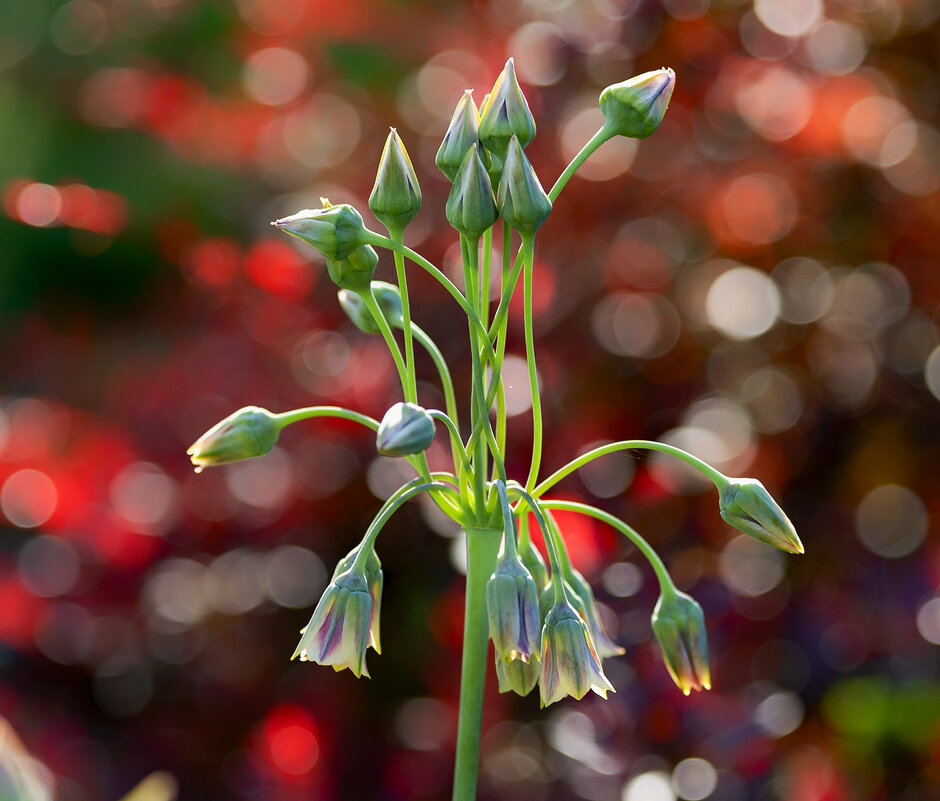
(542, 618)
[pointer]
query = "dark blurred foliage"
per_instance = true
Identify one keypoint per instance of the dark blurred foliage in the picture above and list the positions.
(757, 282)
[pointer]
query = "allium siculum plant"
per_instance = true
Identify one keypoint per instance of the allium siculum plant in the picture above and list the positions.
(542, 619)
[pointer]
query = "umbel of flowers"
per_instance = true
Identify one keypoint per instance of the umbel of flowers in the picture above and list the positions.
(542, 618)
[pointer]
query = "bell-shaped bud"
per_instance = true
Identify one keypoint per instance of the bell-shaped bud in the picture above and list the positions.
(245, 434)
(746, 505)
(405, 429)
(462, 134)
(521, 200)
(471, 207)
(336, 231)
(338, 633)
(386, 295)
(588, 610)
(570, 665)
(517, 676)
(396, 196)
(375, 580)
(636, 107)
(679, 626)
(512, 606)
(356, 270)
(506, 114)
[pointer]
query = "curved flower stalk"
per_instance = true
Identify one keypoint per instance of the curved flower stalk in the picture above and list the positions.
(541, 617)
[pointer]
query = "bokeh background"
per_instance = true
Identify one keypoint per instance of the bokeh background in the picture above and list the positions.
(757, 282)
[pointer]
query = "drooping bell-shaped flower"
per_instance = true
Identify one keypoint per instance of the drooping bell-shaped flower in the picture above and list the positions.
(517, 676)
(405, 429)
(570, 664)
(512, 606)
(375, 581)
(636, 107)
(245, 434)
(588, 609)
(746, 505)
(396, 196)
(679, 626)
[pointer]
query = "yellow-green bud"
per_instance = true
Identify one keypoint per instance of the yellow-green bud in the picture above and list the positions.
(506, 113)
(336, 231)
(356, 270)
(386, 295)
(396, 196)
(462, 133)
(405, 429)
(512, 606)
(679, 626)
(471, 207)
(521, 200)
(245, 434)
(746, 505)
(636, 107)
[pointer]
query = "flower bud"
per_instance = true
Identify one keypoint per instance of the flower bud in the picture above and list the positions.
(336, 231)
(245, 434)
(356, 270)
(746, 505)
(338, 633)
(396, 196)
(471, 207)
(386, 295)
(521, 200)
(517, 676)
(679, 626)
(512, 606)
(570, 665)
(462, 134)
(405, 429)
(506, 113)
(636, 107)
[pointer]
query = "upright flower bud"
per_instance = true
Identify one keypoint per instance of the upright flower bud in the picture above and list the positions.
(570, 665)
(462, 134)
(396, 196)
(405, 429)
(336, 231)
(517, 676)
(521, 200)
(471, 207)
(635, 107)
(746, 505)
(386, 295)
(512, 606)
(679, 626)
(506, 113)
(338, 633)
(244, 434)
(356, 270)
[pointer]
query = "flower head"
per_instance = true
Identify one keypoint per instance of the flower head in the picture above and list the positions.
(512, 606)
(462, 134)
(586, 605)
(388, 296)
(506, 114)
(636, 107)
(521, 200)
(396, 196)
(679, 626)
(471, 206)
(375, 580)
(570, 665)
(245, 434)
(338, 633)
(405, 429)
(517, 676)
(336, 231)
(746, 505)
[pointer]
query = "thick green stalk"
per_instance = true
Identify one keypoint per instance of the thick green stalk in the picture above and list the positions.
(482, 550)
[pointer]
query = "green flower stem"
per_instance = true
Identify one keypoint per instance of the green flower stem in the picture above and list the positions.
(468, 252)
(665, 581)
(447, 383)
(411, 390)
(508, 518)
(527, 258)
(372, 305)
(308, 412)
(462, 459)
(719, 479)
(484, 293)
(549, 535)
(592, 144)
(482, 550)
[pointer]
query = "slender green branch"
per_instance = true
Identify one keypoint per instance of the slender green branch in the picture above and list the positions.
(462, 458)
(372, 305)
(718, 478)
(411, 390)
(447, 383)
(549, 535)
(592, 144)
(527, 258)
(308, 412)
